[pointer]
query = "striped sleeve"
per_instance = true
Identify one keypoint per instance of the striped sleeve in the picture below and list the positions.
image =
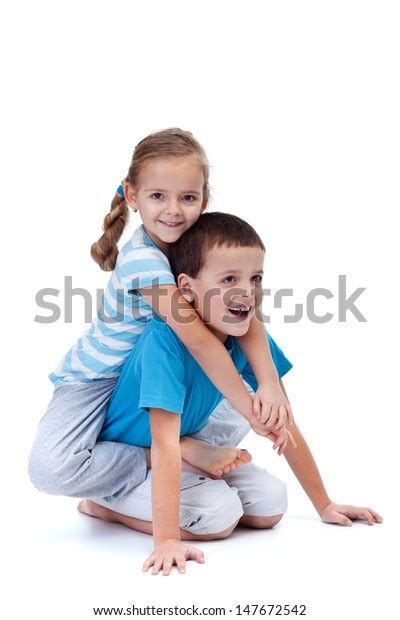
(144, 267)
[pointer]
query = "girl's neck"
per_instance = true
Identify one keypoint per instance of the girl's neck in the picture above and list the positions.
(163, 245)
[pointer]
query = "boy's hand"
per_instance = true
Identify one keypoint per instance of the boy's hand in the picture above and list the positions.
(279, 437)
(344, 515)
(271, 406)
(171, 552)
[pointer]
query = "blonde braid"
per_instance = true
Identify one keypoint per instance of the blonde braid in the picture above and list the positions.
(171, 142)
(105, 250)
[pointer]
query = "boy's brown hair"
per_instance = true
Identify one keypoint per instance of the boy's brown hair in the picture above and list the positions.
(188, 253)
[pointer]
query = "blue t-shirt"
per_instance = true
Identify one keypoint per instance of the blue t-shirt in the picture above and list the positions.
(160, 372)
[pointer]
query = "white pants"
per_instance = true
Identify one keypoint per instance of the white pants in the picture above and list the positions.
(210, 506)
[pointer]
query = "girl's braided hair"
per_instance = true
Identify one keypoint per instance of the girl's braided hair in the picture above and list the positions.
(172, 142)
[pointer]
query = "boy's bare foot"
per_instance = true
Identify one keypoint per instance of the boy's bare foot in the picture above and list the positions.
(87, 507)
(213, 460)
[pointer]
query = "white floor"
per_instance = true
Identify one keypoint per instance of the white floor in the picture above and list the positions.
(61, 564)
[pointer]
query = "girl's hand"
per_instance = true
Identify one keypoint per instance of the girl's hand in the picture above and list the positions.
(171, 552)
(279, 438)
(344, 515)
(271, 407)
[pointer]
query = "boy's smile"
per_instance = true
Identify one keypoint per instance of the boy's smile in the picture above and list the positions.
(227, 290)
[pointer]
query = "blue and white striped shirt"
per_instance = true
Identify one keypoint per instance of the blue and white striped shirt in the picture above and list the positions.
(101, 351)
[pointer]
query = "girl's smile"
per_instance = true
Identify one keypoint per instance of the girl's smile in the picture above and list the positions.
(171, 224)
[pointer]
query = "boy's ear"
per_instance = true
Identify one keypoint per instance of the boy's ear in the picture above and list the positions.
(184, 285)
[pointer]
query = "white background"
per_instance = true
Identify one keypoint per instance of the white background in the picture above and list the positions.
(297, 105)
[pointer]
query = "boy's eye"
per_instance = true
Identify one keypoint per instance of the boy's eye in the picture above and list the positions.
(257, 279)
(229, 279)
(156, 195)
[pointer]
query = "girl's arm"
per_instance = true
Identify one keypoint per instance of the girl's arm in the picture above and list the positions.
(165, 492)
(270, 403)
(207, 350)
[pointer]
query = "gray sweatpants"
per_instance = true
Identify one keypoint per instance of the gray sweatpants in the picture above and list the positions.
(67, 459)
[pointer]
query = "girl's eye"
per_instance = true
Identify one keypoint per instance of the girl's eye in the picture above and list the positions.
(156, 195)
(257, 279)
(229, 279)
(193, 198)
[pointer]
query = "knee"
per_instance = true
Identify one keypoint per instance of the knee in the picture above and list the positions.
(224, 513)
(215, 512)
(51, 472)
(279, 499)
(41, 471)
(223, 534)
(267, 495)
(263, 523)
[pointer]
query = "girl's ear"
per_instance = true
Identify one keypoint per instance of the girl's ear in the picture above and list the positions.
(130, 197)
(185, 288)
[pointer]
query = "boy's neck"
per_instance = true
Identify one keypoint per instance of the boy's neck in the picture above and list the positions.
(222, 337)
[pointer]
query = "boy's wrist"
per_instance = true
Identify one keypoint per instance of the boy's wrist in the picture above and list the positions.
(321, 503)
(161, 538)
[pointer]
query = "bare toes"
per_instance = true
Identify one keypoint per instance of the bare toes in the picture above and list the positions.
(237, 463)
(244, 456)
(83, 507)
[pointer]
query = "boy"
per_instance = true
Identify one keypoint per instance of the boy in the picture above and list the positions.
(163, 394)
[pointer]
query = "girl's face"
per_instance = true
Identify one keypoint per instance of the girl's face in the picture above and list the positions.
(169, 197)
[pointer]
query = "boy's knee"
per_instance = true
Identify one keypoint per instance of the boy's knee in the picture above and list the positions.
(222, 516)
(221, 535)
(215, 512)
(262, 523)
(279, 497)
(268, 495)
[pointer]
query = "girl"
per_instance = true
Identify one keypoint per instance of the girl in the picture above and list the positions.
(167, 184)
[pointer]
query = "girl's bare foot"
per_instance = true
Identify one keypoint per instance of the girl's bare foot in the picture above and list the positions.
(213, 460)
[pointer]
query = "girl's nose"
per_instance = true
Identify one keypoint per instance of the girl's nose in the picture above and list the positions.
(173, 207)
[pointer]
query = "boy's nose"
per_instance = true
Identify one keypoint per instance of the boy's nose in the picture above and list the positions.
(243, 294)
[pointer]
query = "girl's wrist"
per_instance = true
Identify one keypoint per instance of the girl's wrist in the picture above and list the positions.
(272, 380)
(246, 410)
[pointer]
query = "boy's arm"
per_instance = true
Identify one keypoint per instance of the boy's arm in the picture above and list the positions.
(165, 492)
(270, 403)
(207, 350)
(304, 467)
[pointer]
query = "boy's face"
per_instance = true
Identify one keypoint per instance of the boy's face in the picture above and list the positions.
(227, 290)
